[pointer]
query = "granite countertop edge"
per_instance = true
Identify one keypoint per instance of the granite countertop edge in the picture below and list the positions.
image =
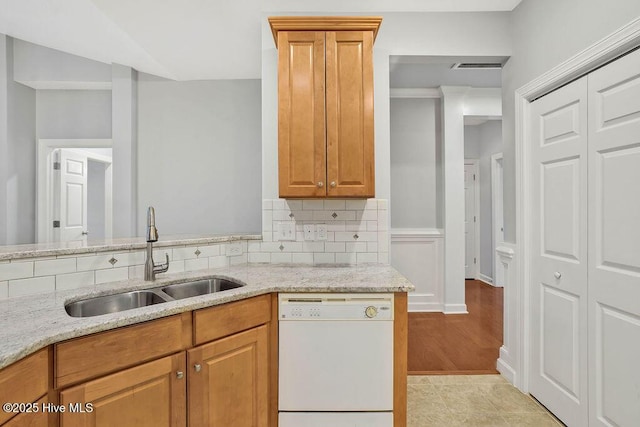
(29, 323)
(8, 253)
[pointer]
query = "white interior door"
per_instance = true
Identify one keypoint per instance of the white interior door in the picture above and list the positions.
(558, 370)
(470, 256)
(73, 195)
(614, 243)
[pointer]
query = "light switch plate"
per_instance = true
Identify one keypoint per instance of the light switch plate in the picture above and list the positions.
(321, 231)
(287, 231)
(309, 232)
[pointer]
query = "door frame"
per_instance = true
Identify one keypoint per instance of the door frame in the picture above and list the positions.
(598, 54)
(44, 186)
(498, 268)
(476, 213)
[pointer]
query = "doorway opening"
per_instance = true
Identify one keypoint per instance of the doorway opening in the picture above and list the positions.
(74, 190)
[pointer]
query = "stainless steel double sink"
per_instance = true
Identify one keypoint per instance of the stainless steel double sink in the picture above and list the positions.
(134, 299)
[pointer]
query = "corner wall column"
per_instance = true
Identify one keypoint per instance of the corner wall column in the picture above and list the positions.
(125, 150)
(453, 168)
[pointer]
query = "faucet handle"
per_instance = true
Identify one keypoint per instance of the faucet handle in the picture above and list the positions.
(161, 268)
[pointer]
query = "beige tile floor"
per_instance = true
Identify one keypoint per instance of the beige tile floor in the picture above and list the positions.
(471, 400)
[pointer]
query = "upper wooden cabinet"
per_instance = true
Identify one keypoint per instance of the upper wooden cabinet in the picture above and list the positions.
(325, 106)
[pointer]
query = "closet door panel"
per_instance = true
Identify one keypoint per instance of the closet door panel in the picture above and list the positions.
(558, 143)
(614, 243)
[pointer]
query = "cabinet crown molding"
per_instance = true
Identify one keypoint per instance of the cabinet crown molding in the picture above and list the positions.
(324, 23)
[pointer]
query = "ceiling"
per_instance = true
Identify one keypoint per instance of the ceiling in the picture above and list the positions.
(430, 72)
(184, 39)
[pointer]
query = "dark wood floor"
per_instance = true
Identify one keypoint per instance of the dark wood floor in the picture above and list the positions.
(458, 343)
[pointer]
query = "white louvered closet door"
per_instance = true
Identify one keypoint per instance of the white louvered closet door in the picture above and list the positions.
(558, 287)
(614, 243)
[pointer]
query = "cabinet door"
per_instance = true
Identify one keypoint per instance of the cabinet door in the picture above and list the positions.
(228, 381)
(349, 98)
(32, 419)
(152, 395)
(301, 114)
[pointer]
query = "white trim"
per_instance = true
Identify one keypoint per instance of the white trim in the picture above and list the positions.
(418, 304)
(484, 278)
(44, 210)
(497, 236)
(596, 55)
(505, 253)
(65, 85)
(415, 234)
(506, 364)
(425, 92)
(476, 213)
(504, 368)
(455, 309)
(615, 44)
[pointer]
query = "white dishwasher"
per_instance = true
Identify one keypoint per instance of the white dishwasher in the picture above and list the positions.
(335, 360)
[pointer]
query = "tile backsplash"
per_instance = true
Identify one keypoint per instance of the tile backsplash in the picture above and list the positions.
(37, 275)
(357, 232)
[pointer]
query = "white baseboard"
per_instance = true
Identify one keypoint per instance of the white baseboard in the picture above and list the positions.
(486, 279)
(455, 309)
(505, 368)
(424, 307)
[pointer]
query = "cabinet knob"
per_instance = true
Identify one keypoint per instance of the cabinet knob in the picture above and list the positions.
(557, 275)
(320, 184)
(197, 367)
(333, 184)
(179, 375)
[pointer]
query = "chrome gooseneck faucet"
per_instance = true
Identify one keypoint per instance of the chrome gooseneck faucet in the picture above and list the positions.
(150, 269)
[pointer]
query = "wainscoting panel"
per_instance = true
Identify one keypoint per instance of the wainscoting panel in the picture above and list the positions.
(418, 254)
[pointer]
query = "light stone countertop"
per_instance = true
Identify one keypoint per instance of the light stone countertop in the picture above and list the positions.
(29, 323)
(122, 244)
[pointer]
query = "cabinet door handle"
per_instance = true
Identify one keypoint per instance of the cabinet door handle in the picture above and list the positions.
(333, 184)
(320, 184)
(197, 367)
(179, 375)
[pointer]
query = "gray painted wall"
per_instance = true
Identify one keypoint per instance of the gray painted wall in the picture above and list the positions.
(73, 114)
(544, 34)
(19, 167)
(413, 162)
(480, 142)
(200, 155)
(38, 63)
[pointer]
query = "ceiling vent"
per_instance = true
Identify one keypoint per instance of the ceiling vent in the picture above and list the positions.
(477, 66)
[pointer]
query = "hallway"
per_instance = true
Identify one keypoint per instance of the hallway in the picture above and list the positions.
(459, 343)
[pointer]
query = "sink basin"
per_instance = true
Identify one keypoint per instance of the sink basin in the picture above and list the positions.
(114, 303)
(200, 287)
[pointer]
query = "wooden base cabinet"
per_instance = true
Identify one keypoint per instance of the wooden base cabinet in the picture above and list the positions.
(37, 419)
(24, 382)
(229, 381)
(152, 394)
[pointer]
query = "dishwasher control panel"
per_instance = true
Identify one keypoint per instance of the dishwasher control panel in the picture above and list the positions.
(335, 307)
